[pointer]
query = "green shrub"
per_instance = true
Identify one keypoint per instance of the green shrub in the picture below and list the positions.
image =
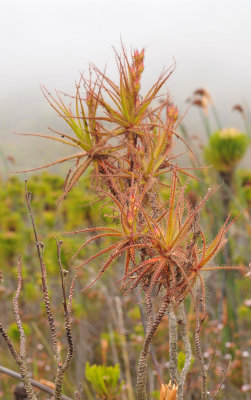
(14, 334)
(226, 148)
(104, 380)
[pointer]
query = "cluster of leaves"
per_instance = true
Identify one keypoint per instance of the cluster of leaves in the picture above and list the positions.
(226, 148)
(129, 141)
(104, 380)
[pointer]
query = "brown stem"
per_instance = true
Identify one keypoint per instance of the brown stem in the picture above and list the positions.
(225, 372)
(203, 373)
(19, 358)
(16, 308)
(149, 311)
(152, 352)
(61, 366)
(44, 280)
(181, 319)
(173, 340)
(143, 360)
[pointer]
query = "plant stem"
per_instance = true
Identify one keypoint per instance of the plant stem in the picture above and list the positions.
(205, 121)
(143, 360)
(152, 352)
(216, 116)
(173, 341)
(181, 319)
(203, 373)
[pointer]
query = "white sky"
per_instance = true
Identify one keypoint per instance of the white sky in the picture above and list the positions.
(49, 42)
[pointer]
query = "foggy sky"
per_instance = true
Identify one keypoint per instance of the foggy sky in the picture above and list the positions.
(49, 42)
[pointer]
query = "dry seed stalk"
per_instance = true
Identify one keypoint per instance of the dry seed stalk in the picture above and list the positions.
(143, 360)
(67, 305)
(19, 358)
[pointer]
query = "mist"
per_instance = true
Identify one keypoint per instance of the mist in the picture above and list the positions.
(51, 42)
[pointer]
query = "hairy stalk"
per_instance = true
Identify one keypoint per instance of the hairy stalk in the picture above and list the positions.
(143, 360)
(203, 373)
(173, 341)
(17, 311)
(228, 285)
(149, 311)
(23, 366)
(152, 352)
(61, 366)
(19, 358)
(225, 372)
(46, 298)
(181, 320)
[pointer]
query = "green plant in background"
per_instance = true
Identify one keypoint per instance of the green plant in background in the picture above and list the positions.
(104, 380)
(225, 149)
(182, 360)
(244, 181)
(15, 234)
(14, 333)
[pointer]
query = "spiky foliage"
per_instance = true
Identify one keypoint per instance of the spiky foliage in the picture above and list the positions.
(129, 140)
(165, 247)
(226, 148)
(104, 380)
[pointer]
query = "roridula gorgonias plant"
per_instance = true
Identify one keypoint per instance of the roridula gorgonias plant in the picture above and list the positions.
(127, 139)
